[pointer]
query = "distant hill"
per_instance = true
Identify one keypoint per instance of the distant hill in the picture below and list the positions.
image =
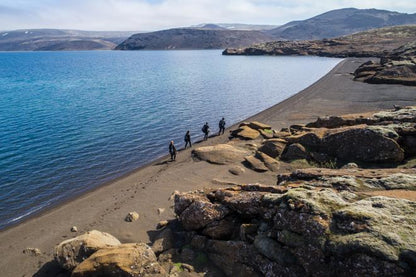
(55, 39)
(340, 22)
(372, 43)
(193, 38)
(237, 26)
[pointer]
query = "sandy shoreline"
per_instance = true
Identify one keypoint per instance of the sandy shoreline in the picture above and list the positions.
(149, 188)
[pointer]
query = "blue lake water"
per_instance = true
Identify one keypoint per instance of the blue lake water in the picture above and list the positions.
(70, 121)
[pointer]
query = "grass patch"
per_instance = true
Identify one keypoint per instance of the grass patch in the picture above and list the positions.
(268, 131)
(178, 266)
(329, 164)
(300, 163)
(409, 163)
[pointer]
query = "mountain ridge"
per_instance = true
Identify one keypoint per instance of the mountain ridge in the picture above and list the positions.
(60, 39)
(192, 38)
(340, 22)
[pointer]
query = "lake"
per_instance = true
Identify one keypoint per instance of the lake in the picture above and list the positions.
(70, 121)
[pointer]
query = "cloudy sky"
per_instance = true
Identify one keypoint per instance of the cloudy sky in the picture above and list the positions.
(148, 15)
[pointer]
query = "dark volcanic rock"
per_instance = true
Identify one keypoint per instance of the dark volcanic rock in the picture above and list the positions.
(373, 43)
(397, 67)
(362, 144)
(315, 229)
(294, 151)
(273, 147)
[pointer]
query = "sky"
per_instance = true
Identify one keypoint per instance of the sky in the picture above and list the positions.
(150, 15)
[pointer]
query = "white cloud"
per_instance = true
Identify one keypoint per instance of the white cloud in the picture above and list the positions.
(159, 14)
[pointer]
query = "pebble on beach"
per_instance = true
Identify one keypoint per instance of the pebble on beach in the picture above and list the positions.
(162, 224)
(160, 210)
(32, 251)
(74, 229)
(132, 216)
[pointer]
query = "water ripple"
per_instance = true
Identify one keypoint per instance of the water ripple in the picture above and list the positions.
(70, 121)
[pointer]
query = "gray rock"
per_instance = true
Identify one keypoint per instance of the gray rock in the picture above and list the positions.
(71, 252)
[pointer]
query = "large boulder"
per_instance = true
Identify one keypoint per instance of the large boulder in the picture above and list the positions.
(273, 147)
(311, 139)
(259, 126)
(294, 151)
(220, 154)
(266, 133)
(132, 259)
(256, 164)
(199, 213)
(71, 252)
(246, 133)
(361, 144)
(272, 164)
(408, 143)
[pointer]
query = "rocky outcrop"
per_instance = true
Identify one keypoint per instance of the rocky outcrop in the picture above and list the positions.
(394, 45)
(132, 259)
(72, 252)
(361, 144)
(309, 224)
(294, 151)
(256, 164)
(271, 163)
(219, 154)
(246, 133)
(252, 130)
(399, 114)
(354, 179)
(373, 43)
(397, 67)
(273, 147)
(378, 137)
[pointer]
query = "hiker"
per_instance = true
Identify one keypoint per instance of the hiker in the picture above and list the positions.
(205, 130)
(172, 151)
(221, 125)
(188, 139)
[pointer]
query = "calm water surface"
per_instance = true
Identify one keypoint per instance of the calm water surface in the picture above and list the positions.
(70, 121)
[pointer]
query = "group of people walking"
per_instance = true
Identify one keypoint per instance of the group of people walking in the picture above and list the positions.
(205, 129)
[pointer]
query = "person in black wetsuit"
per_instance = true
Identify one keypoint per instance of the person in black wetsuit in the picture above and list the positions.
(188, 139)
(172, 151)
(205, 130)
(221, 125)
